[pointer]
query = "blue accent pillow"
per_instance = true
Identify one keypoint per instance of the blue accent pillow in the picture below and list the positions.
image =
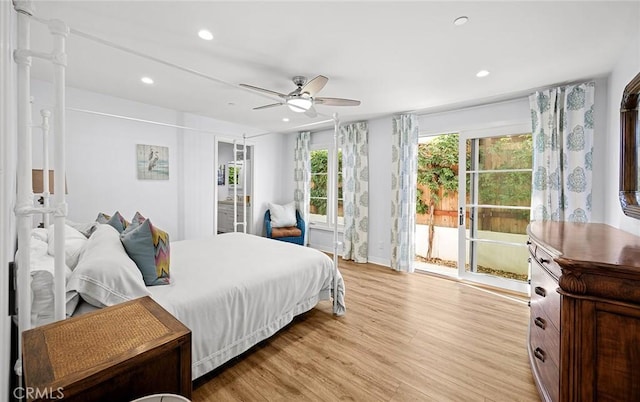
(148, 247)
(116, 220)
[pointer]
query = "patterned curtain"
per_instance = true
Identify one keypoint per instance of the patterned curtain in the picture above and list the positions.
(355, 190)
(404, 174)
(562, 126)
(302, 178)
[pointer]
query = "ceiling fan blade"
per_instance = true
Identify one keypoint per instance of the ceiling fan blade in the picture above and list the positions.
(311, 112)
(315, 85)
(267, 91)
(268, 106)
(336, 102)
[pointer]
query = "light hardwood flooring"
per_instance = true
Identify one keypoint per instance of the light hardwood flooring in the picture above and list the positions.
(405, 337)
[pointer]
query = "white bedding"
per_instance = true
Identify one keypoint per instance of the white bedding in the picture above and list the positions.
(235, 290)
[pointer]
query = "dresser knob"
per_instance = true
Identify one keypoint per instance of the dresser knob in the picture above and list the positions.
(540, 354)
(540, 291)
(540, 322)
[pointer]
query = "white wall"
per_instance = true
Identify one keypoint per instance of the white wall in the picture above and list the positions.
(101, 166)
(626, 68)
(101, 157)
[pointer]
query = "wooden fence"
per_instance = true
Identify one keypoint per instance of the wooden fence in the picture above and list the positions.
(494, 219)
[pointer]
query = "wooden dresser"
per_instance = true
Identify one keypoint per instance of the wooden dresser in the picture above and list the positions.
(118, 353)
(584, 332)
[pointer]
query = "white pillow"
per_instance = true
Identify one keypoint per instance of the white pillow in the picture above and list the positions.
(42, 297)
(86, 229)
(42, 284)
(40, 234)
(73, 246)
(105, 274)
(283, 215)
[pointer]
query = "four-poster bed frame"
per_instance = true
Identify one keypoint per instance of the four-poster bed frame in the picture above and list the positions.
(25, 208)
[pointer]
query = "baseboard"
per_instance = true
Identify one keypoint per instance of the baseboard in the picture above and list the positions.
(380, 261)
(372, 260)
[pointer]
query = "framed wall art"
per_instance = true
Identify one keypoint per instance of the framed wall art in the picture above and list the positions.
(152, 162)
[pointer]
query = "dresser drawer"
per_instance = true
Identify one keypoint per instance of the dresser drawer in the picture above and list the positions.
(546, 260)
(545, 372)
(544, 294)
(544, 335)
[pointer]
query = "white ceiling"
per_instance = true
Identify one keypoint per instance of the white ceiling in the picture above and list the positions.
(393, 56)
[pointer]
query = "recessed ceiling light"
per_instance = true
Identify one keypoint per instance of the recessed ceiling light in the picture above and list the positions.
(205, 34)
(482, 73)
(460, 21)
(147, 80)
(285, 119)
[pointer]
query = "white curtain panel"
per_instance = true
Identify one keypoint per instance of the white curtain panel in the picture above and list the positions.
(562, 127)
(355, 190)
(302, 178)
(404, 174)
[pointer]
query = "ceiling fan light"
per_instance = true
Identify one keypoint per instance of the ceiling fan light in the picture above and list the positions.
(299, 105)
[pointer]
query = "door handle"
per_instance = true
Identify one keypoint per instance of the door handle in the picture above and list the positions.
(540, 291)
(540, 322)
(540, 354)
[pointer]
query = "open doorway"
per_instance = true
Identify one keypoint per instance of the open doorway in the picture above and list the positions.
(472, 206)
(437, 204)
(234, 186)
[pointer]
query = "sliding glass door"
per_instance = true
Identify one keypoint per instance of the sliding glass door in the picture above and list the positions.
(494, 188)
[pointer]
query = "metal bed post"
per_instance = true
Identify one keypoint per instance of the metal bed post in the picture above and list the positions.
(24, 197)
(235, 186)
(336, 127)
(244, 182)
(45, 165)
(59, 31)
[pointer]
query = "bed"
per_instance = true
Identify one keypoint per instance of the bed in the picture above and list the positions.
(235, 290)
(232, 290)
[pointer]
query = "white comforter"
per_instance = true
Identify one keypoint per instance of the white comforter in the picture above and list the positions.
(235, 290)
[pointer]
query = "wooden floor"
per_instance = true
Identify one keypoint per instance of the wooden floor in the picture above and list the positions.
(405, 337)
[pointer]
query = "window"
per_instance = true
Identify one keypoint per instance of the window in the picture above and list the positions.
(322, 189)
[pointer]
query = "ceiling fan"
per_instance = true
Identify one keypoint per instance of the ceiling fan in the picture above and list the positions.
(302, 99)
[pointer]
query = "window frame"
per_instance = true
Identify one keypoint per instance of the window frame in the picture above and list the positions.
(332, 155)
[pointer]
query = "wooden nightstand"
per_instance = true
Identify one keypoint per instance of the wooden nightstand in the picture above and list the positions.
(118, 353)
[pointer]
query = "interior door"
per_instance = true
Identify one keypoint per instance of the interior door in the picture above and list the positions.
(494, 187)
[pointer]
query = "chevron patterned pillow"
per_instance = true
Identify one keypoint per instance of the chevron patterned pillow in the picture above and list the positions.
(148, 247)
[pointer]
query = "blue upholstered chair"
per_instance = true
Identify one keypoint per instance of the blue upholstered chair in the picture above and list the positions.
(280, 233)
